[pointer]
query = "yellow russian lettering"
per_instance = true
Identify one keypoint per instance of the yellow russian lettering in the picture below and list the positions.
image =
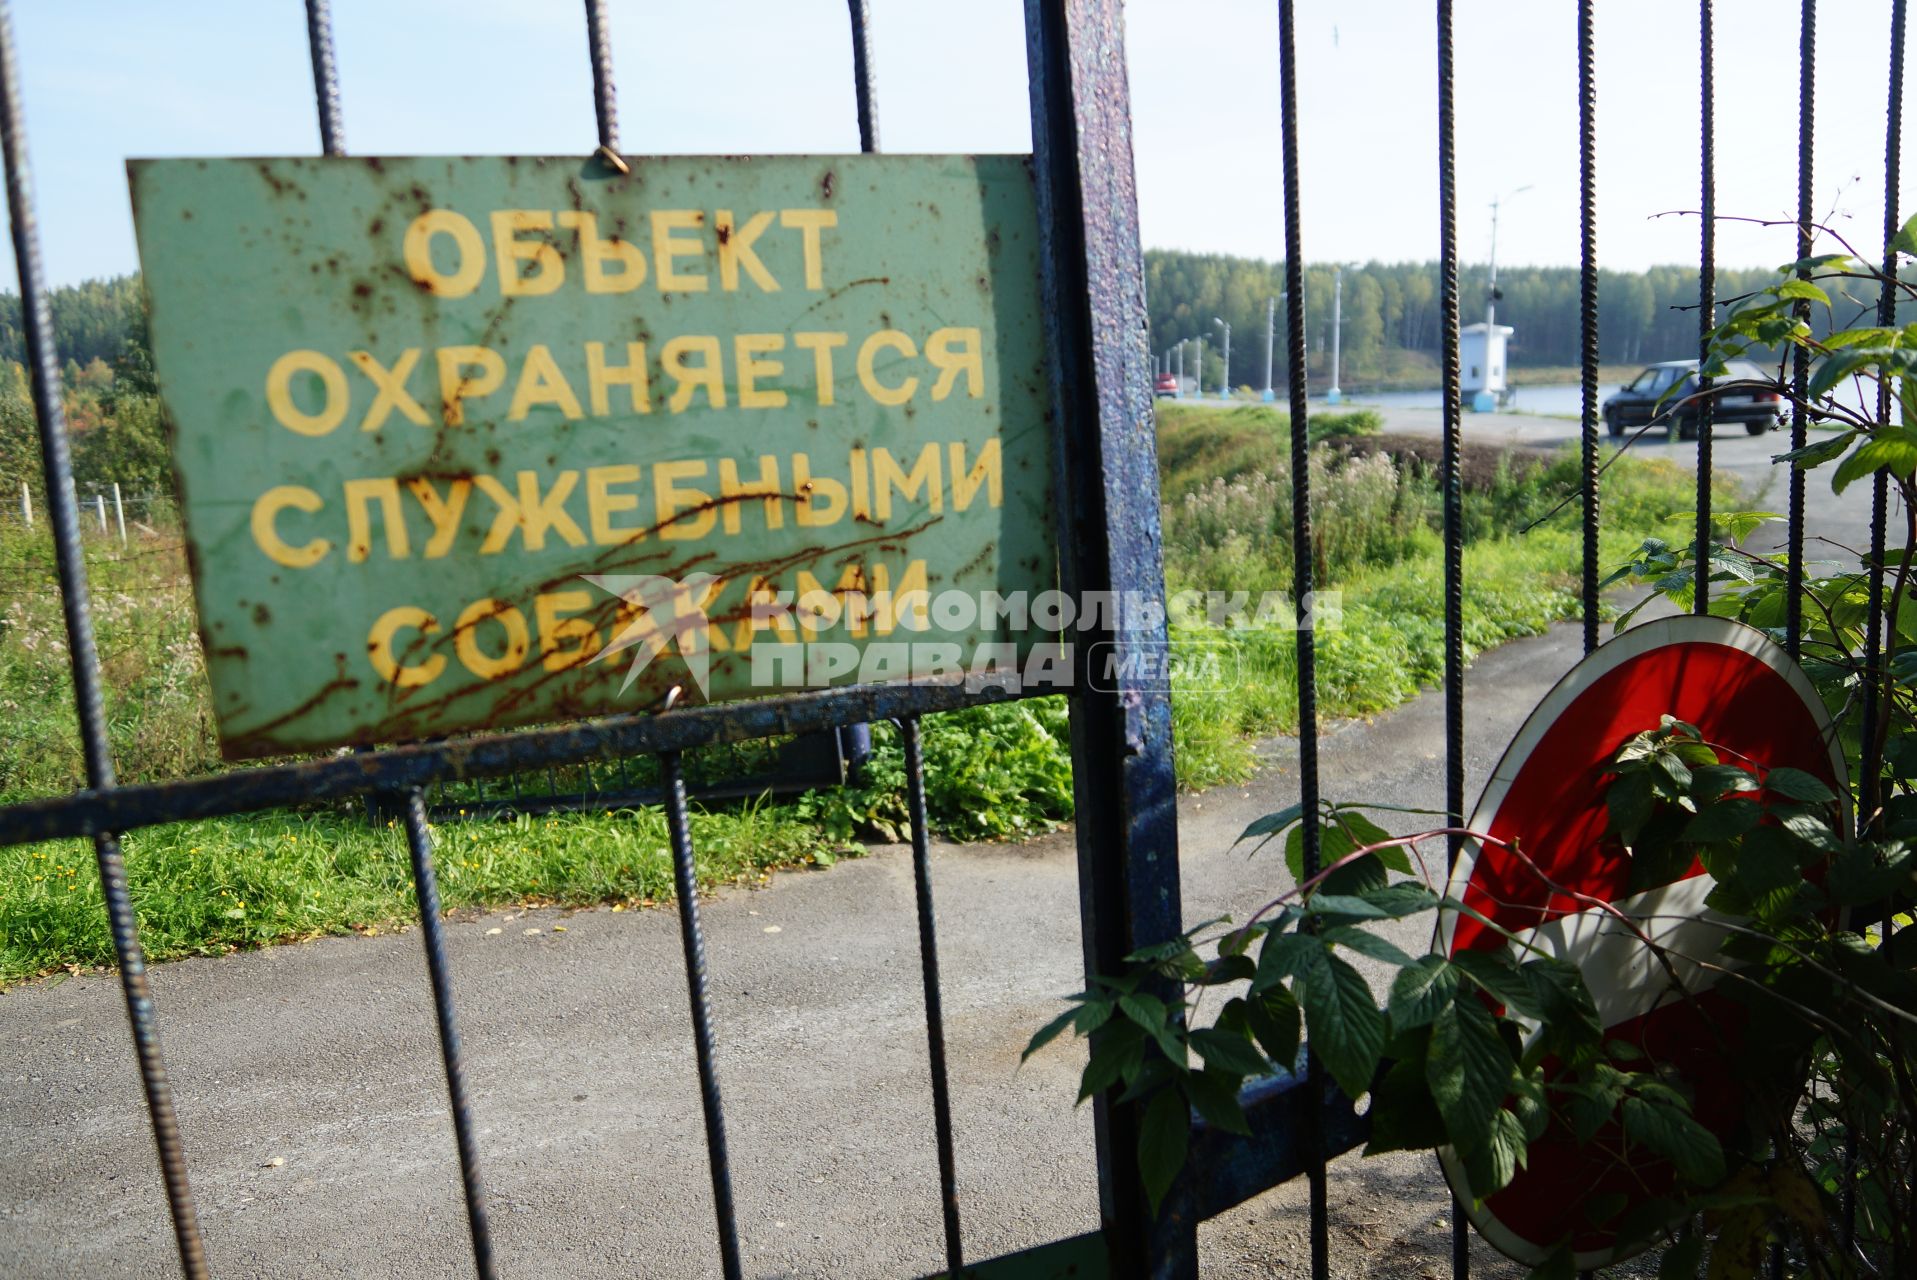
(266, 510)
(735, 250)
(689, 378)
(541, 382)
(418, 250)
(360, 494)
(987, 470)
(379, 647)
(765, 609)
(602, 504)
(389, 386)
(279, 392)
(861, 484)
(670, 500)
(456, 388)
(596, 254)
(529, 513)
(812, 490)
(952, 352)
(868, 377)
(810, 223)
(851, 602)
(746, 348)
(817, 609)
(907, 605)
(732, 494)
(667, 248)
(513, 253)
(443, 513)
(820, 345)
(888, 475)
(555, 631)
(466, 639)
(602, 377)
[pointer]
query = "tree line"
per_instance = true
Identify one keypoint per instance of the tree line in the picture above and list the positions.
(109, 392)
(1392, 313)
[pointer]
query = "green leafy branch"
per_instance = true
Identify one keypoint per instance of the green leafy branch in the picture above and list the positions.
(1476, 1052)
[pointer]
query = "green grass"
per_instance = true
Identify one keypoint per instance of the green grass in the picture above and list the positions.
(204, 888)
(1376, 515)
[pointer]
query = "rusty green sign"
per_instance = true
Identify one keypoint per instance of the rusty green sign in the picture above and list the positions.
(475, 442)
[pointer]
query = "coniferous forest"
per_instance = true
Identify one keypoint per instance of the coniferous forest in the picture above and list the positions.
(1391, 314)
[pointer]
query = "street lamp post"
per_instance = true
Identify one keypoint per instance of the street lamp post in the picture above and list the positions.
(1224, 378)
(1178, 354)
(1198, 371)
(1333, 395)
(1271, 318)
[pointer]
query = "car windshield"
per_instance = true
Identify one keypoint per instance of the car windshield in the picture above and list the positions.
(1654, 380)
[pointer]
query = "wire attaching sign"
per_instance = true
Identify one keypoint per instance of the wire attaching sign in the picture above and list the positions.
(475, 442)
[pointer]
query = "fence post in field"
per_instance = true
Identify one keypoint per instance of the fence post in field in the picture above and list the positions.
(119, 513)
(26, 504)
(99, 507)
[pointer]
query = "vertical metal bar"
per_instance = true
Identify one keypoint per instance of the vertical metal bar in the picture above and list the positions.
(855, 740)
(119, 513)
(1451, 481)
(1872, 760)
(63, 517)
(1588, 309)
(319, 41)
(604, 95)
(1800, 355)
(1303, 586)
(146, 1040)
(1108, 536)
(863, 78)
(929, 972)
(686, 885)
(419, 844)
(1706, 306)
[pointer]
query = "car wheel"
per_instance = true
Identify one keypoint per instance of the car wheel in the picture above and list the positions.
(1687, 428)
(1759, 427)
(1613, 423)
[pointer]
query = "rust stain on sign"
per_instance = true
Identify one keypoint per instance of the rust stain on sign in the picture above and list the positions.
(470, 443)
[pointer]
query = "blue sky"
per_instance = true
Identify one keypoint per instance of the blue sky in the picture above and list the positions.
(108, 79)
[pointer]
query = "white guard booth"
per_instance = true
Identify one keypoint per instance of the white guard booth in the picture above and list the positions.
(1482, 376)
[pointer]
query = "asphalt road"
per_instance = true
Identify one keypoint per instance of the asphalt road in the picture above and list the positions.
(313, 1107)
(1832, 523)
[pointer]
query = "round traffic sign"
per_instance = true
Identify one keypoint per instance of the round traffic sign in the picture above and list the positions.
(1742, 692)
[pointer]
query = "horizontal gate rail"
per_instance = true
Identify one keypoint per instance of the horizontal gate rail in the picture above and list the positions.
(89, 812)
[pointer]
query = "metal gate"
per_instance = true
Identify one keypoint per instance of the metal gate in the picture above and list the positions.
(1109, 537)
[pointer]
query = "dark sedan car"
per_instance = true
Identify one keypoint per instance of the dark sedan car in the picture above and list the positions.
(1660, 392)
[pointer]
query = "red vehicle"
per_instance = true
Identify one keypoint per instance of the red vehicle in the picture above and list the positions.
(1165, 387)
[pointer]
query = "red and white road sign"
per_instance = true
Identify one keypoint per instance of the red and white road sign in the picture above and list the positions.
(1742, 692)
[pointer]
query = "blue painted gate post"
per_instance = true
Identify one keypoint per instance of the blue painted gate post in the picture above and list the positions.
(1108, 543)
